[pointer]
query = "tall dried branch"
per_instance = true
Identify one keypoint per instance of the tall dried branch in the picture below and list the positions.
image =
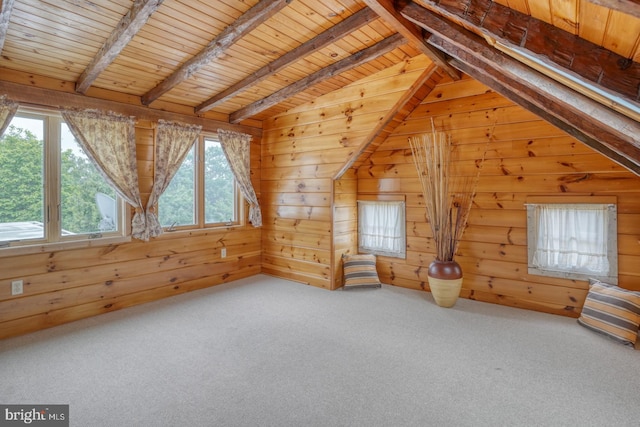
(448, 196)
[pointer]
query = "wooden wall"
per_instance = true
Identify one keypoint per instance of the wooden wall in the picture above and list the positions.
(310, 213)
(309, 208)
(528, 157)
(66, 285)
(345, 222)
(303, 154)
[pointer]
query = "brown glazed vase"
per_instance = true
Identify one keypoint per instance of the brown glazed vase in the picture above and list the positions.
(445, 282)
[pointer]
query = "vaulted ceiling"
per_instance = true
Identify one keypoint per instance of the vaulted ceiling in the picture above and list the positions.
(573, 62)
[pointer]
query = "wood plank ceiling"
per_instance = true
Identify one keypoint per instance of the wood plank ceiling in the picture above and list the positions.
(244, 61)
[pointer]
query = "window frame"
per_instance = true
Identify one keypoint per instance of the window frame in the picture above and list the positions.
(400, 199)
(199, 194)
(54, 237)
(611, 230)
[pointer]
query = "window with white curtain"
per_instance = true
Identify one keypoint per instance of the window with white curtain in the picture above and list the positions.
(573, 240)
(381, 228)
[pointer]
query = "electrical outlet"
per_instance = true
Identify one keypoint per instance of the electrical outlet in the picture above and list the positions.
(223, 253)
(16, 287)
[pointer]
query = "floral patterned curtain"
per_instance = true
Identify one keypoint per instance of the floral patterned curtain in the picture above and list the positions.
(236, 147)
(173, 142)
(8, 109)
(108, 139)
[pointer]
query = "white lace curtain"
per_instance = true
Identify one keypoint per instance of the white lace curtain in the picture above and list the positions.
(108, 139)
(236, 147)
(381, 226)
(572, 239)
(173, 142)
(8, 109)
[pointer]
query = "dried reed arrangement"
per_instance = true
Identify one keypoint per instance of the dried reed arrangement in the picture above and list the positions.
(448, 196)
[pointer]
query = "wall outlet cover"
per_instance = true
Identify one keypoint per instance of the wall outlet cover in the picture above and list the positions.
(16, 287)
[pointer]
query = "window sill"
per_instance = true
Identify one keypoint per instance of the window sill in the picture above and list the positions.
(569, 275)
(400, 255)
(198, 231)
(60, 246)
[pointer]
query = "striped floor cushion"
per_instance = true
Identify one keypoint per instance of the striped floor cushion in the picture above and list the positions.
(360, 271)
(612, 311)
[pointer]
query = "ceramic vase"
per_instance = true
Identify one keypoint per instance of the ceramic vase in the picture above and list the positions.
(445, 282)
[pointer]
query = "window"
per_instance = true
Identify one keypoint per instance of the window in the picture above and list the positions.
(202, 193)
(381, 227)
(49, 189)
(177, 205)
(573, 240)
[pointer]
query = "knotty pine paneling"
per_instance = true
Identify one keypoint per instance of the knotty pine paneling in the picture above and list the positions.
(526, 157)
(302, 151)
(61, 286)
(345, 222)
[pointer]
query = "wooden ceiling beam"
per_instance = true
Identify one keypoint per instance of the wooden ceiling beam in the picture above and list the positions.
(413, 34)
(127, 28)
(5, 16)
(554, 47)
(325, 73)
(630, 7)
(28, 95)
(324, 39)
(608, 132)
(246, 23)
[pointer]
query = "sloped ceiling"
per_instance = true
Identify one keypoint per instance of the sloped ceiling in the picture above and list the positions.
(244, 61)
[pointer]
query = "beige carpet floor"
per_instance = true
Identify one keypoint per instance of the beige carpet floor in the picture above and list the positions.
(268, 352)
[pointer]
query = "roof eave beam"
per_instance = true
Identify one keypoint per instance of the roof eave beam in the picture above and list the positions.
(386, 10)
(608, 132)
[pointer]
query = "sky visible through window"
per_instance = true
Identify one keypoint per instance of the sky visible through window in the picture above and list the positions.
(67, 139)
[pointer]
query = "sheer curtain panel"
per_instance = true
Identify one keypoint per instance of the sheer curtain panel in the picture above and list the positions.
(572, 238)
(381, 227)
(8, 109)
(108, 139)
(173, 142)
(236, 147)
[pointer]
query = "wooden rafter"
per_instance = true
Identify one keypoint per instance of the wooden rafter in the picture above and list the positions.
(603, 129)
(230, 35)
(5, 15)
(329, 36)
(37, 96)
(332, 70)
(558, 48)
(128, 27)
(385, 9)
(630, 7)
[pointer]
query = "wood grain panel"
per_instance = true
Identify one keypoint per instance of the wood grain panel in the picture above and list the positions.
(302, 254)
(286, 145)
(302, 152)
(526, 157)
(295, 239)
(299, 266)
(66, 285)
(64, 315)
(345, 224)
(304, 175)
